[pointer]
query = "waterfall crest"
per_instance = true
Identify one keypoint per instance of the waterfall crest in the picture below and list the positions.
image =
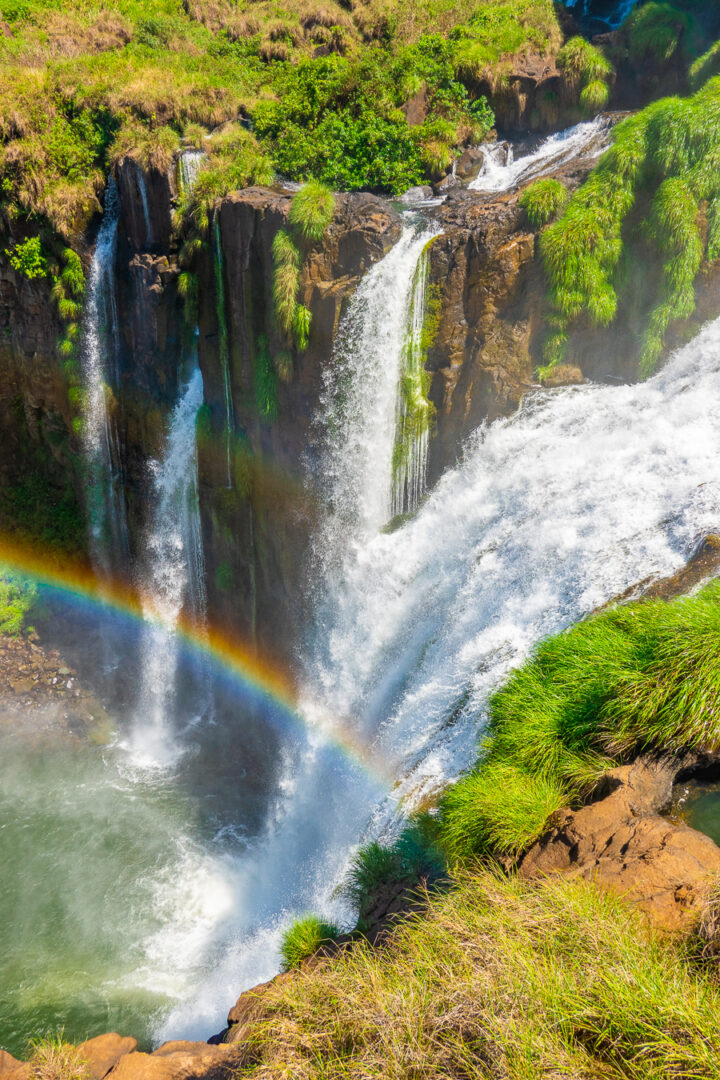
(106, 506)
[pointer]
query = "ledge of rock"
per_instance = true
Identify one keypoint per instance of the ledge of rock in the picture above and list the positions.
(623, 844)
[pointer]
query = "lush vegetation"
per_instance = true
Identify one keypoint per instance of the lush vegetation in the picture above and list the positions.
(652, 201)
(543, 200)
(497, 979)
(587, 74)
(17, 598)
(639, 677)
(304, 938)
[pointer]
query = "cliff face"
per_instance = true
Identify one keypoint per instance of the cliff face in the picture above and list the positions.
(256, 506)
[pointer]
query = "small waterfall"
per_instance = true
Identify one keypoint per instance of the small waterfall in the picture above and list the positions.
(106, 506)
(189, 164)
(414, 411)
(142, 188)
(359, 404)
(502, 171)
(174, 577)
(224, 348)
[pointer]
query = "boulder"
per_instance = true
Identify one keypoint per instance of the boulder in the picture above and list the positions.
(11, 1068)
(564, 375)
(469, 163)
(446, 184)
(415, 195)
(104, 1051)
(623, 844)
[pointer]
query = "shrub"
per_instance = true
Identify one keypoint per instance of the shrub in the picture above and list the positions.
(17, 598)
(304, 938)
(594, 97)
(543, 201)
(27, 258)
(414, 855)
(645, 193)
(312, 210)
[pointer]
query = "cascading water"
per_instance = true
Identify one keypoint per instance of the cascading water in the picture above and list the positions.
(223, 340)
(501, 171)
(189, 164)
(106, 506)
(360, 412)
(413, 410)
(174, 579)
(142, 188)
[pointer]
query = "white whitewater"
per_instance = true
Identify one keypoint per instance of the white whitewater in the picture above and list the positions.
(584, 492)
(106, 506)
(189, 164)
(501, 171)
(173, 582)
(142, 188)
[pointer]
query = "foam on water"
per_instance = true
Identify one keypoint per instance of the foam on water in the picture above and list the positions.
(501, 171)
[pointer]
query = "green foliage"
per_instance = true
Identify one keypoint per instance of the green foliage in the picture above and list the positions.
(705, 66)
(302, 320)
(17, 598)
(640, 677)
(224, 576)
(304, 938)
(543, 200)
(189, 290)
(312, 210)
(286, 280)
(655, 32)
(27, 258)
(587, 73)
(500, 809)
(375, 867)
(646, 191)
(265, 381)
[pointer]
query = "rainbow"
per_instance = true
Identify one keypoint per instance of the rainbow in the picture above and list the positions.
(264, 677)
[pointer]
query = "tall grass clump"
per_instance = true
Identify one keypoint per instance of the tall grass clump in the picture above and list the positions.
(543, 201)
(286, 279)
(52, 1058)
(587, 73)
(645, 198)
(304, 938)
(641, 677)
(497, 978)
(655, 32)
(312, 210)
(376, 867)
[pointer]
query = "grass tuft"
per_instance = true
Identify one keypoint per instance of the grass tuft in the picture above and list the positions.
(312, 209)
(543, 200)
(304, 938)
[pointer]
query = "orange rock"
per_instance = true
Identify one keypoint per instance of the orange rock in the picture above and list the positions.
(11, 1068)
(623, 844)
(179, 1061)
(104, 1051)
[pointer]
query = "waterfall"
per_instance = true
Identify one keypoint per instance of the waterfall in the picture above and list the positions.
(106, 506)
(145, 205)
(223, 347)
(502, 171)
(413, 410)
(173, 582)
(189, 164)
(551, 513)
(359, 408)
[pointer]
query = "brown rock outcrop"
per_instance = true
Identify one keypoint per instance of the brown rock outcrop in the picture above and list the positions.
(104, 1051)
(623, 844)
(11, 1068)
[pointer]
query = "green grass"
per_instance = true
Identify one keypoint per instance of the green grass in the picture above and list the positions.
(642, 204)
(587, 74)
(496, 979)
(312, 209)
(543, 200)
(641, 677)
(286, 280)
(304, 938)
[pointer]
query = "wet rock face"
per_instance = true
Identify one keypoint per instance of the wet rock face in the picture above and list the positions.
(623, 844)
